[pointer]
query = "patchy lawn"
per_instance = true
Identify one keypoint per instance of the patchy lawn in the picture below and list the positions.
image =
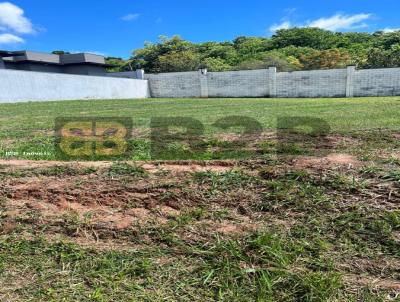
(29, 127)
(305, 224)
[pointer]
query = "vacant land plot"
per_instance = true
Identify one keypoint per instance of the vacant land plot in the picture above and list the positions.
(300, 225)
(29, 127)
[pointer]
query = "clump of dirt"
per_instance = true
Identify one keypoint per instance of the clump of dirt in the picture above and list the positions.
(93, 192)
(329, 161)
(185, 168)
(149, 167)
(109, 202)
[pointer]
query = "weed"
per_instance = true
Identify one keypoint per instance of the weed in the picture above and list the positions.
(125, 169)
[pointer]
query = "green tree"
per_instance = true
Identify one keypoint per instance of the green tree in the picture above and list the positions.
(177, 61)
(288, 49)
(224, 51)
(248, 47)
(149, 56)
(118, 64)
(305, 37)
(60, 52)
(326, 59)
(272, 58)
(386, 40)
(380, 58)
(215, 64)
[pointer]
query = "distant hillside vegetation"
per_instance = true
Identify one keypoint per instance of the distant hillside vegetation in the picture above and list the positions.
(288, 50)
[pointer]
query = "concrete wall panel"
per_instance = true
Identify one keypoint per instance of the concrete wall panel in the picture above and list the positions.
(377, 82)
(175, 85)
(317, 83)
(22, 86)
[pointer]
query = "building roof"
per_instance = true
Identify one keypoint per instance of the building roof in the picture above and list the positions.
(56, 59)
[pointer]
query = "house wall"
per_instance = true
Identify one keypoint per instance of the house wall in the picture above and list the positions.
(22, 86)
(81, 69)
(31, 66)
(94, 70)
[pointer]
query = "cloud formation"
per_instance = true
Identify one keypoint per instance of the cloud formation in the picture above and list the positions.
(12, 18)
(339, 21)
(13, 23)
(10, 39)
(334, 23)
(390, 30)
(130, 17)
(283, 25)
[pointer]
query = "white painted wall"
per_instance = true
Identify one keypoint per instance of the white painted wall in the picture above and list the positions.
(23, 86)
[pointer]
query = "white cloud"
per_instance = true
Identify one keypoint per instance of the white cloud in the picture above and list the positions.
(390, 30)
(12, 18)
(6, 39)
(334, 23)
(339, 21)
(282, 25)
(159, 20)
(130, 17)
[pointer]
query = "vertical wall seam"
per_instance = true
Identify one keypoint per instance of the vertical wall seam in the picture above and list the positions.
(272, 82)
(203, 78)
(350, 81)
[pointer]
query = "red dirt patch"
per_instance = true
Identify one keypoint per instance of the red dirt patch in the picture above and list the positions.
(332, 160)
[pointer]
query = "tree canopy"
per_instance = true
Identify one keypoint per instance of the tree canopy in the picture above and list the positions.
(288, 50)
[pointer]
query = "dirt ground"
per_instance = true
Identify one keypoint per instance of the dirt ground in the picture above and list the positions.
(101, 204)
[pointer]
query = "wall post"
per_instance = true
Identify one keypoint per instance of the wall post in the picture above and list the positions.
(272, 82)
(2, 66)
(351, 70)
(139, 74)
(203, 83)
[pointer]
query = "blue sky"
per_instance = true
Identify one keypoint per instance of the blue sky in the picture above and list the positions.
(116, 27)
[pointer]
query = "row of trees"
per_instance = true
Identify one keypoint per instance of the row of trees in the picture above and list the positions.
(288, 50)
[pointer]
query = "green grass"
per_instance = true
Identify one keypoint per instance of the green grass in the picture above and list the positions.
(264, 230)
(120, 168)
(66, 272)
(313, 230)
(28, 127)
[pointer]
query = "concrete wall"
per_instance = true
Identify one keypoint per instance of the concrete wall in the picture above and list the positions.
(18, 85)
(22, 86)
(377, 82)
(175, 85)
(318, 83)
(137, 74)
(347, 82)
(248, 83)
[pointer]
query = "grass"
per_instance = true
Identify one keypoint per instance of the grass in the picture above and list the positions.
(268, 229)
(121, 168)
(27, 128)
(300, 236)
